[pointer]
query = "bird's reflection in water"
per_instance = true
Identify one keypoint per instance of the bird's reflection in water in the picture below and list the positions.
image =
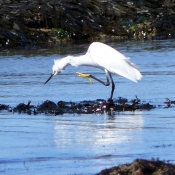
(93, 131)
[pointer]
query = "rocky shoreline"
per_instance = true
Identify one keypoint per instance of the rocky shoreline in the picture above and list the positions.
(36, 22)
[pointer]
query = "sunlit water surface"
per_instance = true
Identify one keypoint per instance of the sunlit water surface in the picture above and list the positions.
(85, 144)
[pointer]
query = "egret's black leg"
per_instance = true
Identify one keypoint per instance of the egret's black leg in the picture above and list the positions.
(104, 83)
(108, 74)
(113, 86)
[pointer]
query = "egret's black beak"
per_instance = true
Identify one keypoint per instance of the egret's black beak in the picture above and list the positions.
(49, 78)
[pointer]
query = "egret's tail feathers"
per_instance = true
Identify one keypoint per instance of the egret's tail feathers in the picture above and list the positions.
(133, 77)
(137, 75)
(130, 72)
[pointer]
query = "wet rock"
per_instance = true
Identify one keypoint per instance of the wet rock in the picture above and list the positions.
(25, 108)
(68, 107)
(99, 106)
(89, 107)
(4, 107)
(102, 106)
(49, 107)
(146, 106)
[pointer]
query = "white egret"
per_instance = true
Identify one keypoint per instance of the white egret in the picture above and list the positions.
(101, 56)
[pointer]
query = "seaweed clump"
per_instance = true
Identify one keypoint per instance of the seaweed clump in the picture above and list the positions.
(99, 106)
(141, 167)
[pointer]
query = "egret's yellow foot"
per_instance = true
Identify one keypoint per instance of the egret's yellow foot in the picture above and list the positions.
(84, 76)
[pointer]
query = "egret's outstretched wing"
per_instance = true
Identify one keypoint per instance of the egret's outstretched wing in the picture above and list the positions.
(110, 59)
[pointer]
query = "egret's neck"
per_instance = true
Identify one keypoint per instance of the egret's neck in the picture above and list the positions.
(83, 60)
(63, 63)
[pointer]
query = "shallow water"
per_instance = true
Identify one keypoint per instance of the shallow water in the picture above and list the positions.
(85, 144)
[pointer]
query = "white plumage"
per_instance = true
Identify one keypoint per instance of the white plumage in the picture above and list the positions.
(101, 56)
(110, 59)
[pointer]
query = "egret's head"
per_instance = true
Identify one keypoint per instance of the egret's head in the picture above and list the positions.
(58, 66)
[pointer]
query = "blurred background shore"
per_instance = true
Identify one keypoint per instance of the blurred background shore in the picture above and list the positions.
(35, 22)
